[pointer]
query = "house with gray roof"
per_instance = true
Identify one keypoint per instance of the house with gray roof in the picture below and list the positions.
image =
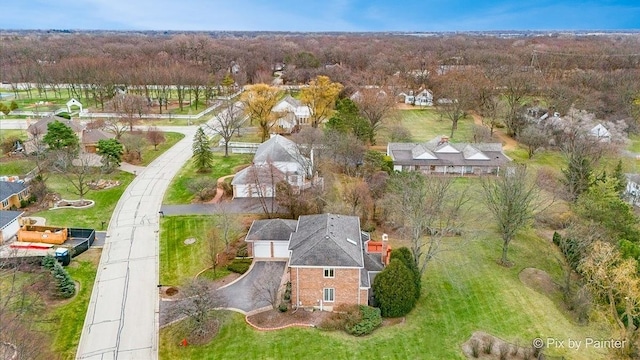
(277, 159)
(330, 260)
(440, 156)
(9, 224)
(88, 138)
(12, 193)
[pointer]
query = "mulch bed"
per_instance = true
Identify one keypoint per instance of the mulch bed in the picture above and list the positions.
(274, 319)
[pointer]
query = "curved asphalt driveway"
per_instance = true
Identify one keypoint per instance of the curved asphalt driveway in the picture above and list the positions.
(240, 294)
(122, 318)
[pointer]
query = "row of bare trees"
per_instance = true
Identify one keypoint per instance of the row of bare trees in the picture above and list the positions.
(595, 74)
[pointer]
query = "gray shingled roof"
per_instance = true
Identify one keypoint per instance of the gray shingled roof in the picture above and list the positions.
(8, 216)
(406, 153)
(272, 229)
(327, 240)
(7, 189)
(41, 127)
(265, 174)
(278, 149)
(95, 135)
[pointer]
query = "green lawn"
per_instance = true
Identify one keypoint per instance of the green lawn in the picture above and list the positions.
(20, 167)
(70, 316)
(179, 262)
(464, 291)
(7, 133)
(178, 193)
(105, 202)
(425, 124)
(61, 322)
(149, 154)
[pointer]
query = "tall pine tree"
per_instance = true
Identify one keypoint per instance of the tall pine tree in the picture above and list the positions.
(202, 154)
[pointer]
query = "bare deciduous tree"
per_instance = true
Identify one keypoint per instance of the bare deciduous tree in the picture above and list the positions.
(425, 207)
(228, 121)
(513, 201)
(267, 290)
(197, 305)
(155, 136)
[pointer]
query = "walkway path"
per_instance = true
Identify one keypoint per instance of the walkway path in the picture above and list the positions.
(219, 190)
(122, 318)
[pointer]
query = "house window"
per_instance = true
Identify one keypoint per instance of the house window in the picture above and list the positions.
(5, 203)
(329, 272)
(328, 294)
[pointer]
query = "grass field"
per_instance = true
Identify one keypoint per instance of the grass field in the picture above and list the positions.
(60, 323)
(425, 124)
(20, 167)
(179, 262)
(171, 138)
(464, 291)
(105, 202)
(178, 193)
(70, 317)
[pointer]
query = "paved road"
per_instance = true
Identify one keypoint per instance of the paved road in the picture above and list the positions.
(122, 318)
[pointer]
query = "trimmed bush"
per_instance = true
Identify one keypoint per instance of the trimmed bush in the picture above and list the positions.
(283, 307)
(239, 266)
(370, 320)
(394, 289)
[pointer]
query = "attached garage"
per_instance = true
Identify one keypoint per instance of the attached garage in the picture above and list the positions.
(271, 249)
(9, 224)
(270, 238)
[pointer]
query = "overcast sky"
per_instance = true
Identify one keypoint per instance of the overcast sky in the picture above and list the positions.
(326, 15)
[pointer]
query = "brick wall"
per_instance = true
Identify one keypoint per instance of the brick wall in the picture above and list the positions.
(310, 283)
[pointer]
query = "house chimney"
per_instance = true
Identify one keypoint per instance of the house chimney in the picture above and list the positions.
(385, 246)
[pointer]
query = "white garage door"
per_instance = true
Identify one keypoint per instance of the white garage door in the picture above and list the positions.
(271, 249)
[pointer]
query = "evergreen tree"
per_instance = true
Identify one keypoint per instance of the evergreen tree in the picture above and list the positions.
(202, 154)
(394, 289)
(111, 151)
(621, 179)
(404, 254)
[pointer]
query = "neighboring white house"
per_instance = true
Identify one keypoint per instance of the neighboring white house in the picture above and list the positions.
(291, 112)
(601, 133)
(10, 224)
(275, 160)
(423, 98)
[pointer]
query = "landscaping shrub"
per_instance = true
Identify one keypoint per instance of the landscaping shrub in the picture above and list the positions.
(475, 348)
(557, 238)
(405, 255)
(369, 321)
(488, 345)
(287, 292)
(394, 289)
(283, 307)
(239, 266)
(343, 316)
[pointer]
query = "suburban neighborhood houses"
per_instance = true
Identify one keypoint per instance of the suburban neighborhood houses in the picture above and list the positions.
(310, 195)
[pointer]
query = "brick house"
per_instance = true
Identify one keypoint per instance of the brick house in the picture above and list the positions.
(330, 260)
